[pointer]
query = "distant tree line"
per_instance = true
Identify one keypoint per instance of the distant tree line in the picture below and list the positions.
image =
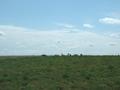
(77, 55)
(63, 55)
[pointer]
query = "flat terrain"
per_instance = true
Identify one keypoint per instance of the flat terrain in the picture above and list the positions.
(60, 73)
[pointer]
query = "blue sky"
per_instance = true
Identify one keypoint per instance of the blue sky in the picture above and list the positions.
(45, 13)
(99, 19)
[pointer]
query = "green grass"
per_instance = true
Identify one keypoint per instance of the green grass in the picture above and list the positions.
(60, 73)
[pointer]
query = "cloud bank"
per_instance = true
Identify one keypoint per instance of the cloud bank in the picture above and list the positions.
(24, 41)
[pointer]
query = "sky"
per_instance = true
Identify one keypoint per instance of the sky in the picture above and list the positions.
(35, 27)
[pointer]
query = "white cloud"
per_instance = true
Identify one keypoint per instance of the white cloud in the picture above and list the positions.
(11, 27)
(115, 35)
(109, 20)
(21, 40)
(88, 26)
(65, 25)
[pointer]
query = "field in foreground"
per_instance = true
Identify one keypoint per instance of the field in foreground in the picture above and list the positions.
(60, 73)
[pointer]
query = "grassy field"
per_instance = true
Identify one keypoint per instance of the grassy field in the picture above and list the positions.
(60, 73)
